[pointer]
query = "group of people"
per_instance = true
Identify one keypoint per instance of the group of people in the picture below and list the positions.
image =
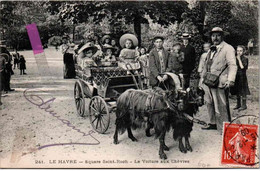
(7, 60)
(130, 57)
(19, 62)
(229, 70)
(180, 61)
(220, 64)
(95, 52)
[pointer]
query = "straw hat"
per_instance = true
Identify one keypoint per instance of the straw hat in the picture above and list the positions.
(105, 37)
(128, 36)
(88, 46)
(217, 30)
(185, 36)
(105, 47)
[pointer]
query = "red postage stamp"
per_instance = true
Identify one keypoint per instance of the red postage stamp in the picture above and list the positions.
(239, 144)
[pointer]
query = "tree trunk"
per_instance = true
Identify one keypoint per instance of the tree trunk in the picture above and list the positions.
(137, 28)
(203, 13)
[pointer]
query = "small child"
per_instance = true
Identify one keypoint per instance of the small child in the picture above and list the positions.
(241, 85)
(117, 50)
(175, 62)
(106, 40)
(129, 53)
(206, 47)
(143, 59)
(16, 59)
(22, 62)
(175, 65)
(109, 54)
(86, 58)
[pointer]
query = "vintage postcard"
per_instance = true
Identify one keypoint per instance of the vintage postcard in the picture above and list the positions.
(129, 84)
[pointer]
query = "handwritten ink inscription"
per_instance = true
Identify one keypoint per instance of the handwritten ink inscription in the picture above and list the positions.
(45, 105)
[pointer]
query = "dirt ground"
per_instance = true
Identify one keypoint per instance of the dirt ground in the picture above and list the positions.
(24, 127)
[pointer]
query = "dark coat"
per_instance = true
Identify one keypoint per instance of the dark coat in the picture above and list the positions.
(22, 63)
(69, 66)
(241, 84)
(8, 59)
(155, 66)
(189, 58)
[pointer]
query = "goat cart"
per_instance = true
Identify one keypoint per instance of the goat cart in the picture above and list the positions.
(102, 89)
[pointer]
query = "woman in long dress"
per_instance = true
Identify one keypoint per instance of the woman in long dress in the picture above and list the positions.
(67, 50)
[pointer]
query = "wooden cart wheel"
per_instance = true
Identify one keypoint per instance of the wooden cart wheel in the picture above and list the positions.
(79, 98)
(99, 115)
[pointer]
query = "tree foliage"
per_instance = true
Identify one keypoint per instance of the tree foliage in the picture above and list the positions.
(130, 12)
(15, 15)
(54, 18)
(244, 22)
(239, 18)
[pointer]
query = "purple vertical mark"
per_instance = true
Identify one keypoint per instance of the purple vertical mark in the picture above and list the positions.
(34, 38)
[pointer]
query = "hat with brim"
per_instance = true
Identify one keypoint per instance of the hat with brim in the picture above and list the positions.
(104, 38)
(88, 46)
(217, 30)
(106, 47)
(158, 37)
(185, 36)
(126, 37)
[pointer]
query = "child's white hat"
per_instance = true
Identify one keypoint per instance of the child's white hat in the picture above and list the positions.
(128, 36)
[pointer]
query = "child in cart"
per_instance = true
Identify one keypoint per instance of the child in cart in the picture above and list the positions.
(87, 58)
(144, 61)
(128, 54)
(109, 53)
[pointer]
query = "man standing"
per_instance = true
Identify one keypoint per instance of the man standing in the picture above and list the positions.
(8, 68)
(158, 59)
(189, 58)
(2, 70)
(67, 50)
(220, 61)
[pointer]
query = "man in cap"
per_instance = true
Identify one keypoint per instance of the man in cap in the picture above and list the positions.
(158, 61)
(220, 61)
(189, 58)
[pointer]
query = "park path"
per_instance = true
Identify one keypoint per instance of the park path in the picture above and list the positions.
(24, 127)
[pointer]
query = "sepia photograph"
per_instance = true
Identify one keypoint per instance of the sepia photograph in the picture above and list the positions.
(129, 84)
